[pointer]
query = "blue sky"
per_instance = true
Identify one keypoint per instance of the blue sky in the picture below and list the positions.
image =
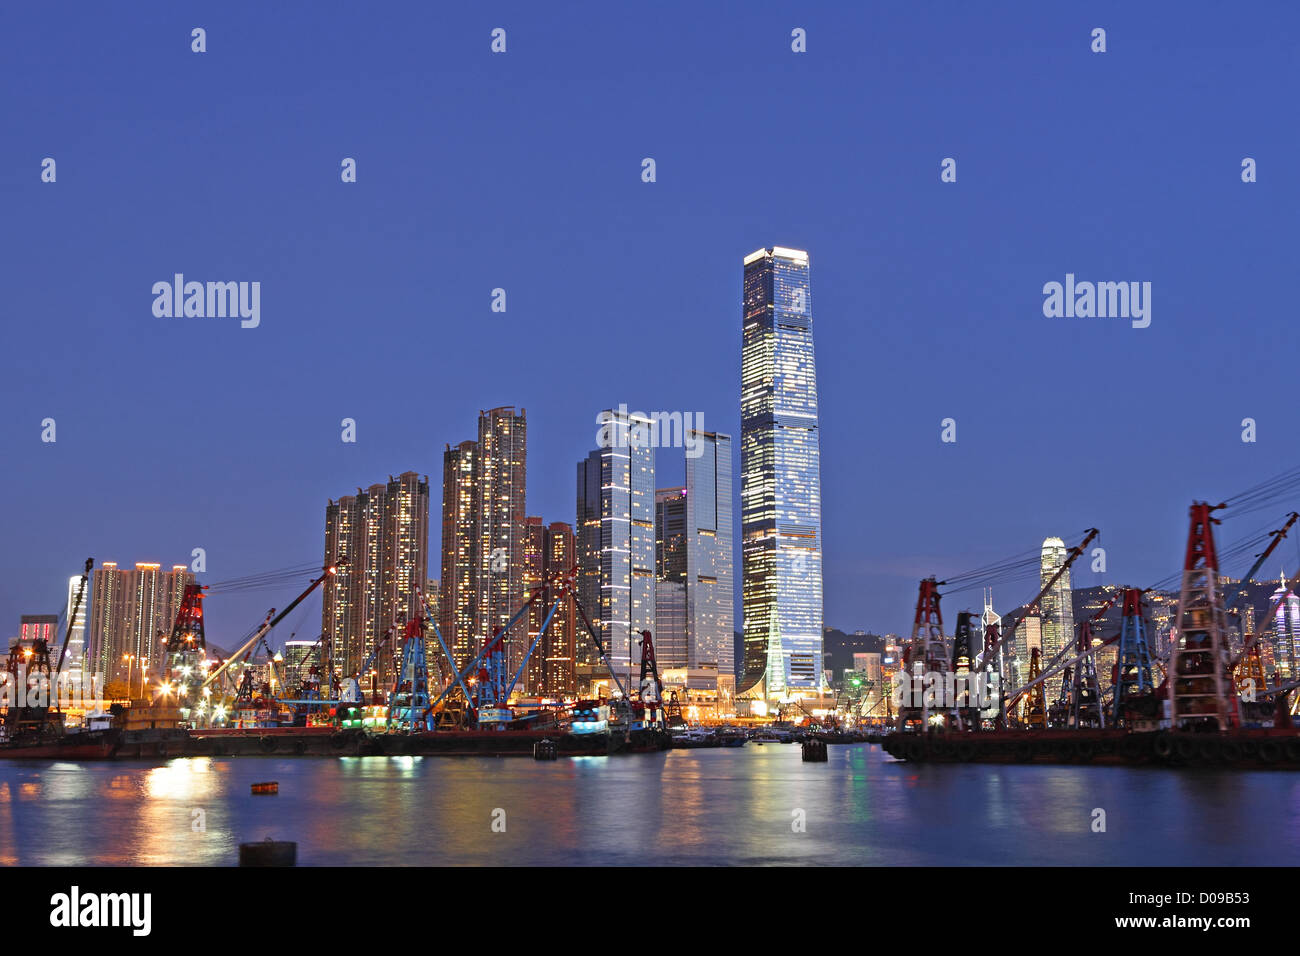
(522, 171)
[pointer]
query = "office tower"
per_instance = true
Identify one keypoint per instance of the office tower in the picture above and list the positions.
(616, 541)
(39, 627)
(378, 539)
(670, 630)
(1057, 604)
(709, 597)
(72, 664)
(483, 533)
(549, 556)
(1286, 629)
(780, 479)
(132, 611)
(298, 658)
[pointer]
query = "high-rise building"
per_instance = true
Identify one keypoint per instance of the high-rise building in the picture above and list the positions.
(710, 607)
(616, 541)
(780, 490)
(383, 533)
(73, 664)
(550, 554)
(483, 535)
(459, 551)
(1057, 604)
(500, 485)
(693, 556)
(132, 611)
(672, 645)
(1286, 630)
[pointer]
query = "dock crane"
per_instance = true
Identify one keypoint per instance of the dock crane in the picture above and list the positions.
(272, 619)
(67, 632)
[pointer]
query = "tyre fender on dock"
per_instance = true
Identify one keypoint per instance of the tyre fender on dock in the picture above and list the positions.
(339, 740)
(1269, 751)
(1162, 746)
(1292, 749)
(1231, 752)
(267, 743)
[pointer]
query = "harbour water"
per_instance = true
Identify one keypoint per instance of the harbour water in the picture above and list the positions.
(684, 807)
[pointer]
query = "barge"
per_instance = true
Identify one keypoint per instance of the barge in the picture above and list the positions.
(1260, 748)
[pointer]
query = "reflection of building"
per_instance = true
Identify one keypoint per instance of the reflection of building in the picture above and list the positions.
(131, 609)
(616, 543)
(383, 533)
(780, 478)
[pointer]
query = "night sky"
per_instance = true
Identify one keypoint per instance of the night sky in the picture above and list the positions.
(523, 171)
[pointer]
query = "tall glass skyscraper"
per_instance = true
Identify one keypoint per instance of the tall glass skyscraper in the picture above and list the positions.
(780, 493)
(616, 544)
(1058, 603)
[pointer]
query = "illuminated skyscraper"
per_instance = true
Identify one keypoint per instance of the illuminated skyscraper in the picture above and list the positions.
(616, 540)
(1286, 630)
(694, 555)
(499, 482)
(483, 533)
(72, 665)
(549, 554)
(1057, 604)
(780, 490)
(459, 551)
(383, 532)
(131, 609)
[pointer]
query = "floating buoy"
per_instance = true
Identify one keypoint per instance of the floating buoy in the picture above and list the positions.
(268, 853)
(269, 788)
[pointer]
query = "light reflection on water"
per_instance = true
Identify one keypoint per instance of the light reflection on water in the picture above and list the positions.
(684, 807)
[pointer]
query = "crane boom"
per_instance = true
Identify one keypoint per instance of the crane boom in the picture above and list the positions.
(72, 619)
(1065, 566)
(272, 619)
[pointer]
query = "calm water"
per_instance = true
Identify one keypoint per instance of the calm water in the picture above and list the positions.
(681, 807)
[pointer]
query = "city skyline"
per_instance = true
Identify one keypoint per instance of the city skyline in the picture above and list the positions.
(904, 325)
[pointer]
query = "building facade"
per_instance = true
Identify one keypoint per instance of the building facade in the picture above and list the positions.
(378, 539)
(132, 611)
(781, 549)
(1057, 605)
(549, 556)
(615, 530)
(483, 535)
